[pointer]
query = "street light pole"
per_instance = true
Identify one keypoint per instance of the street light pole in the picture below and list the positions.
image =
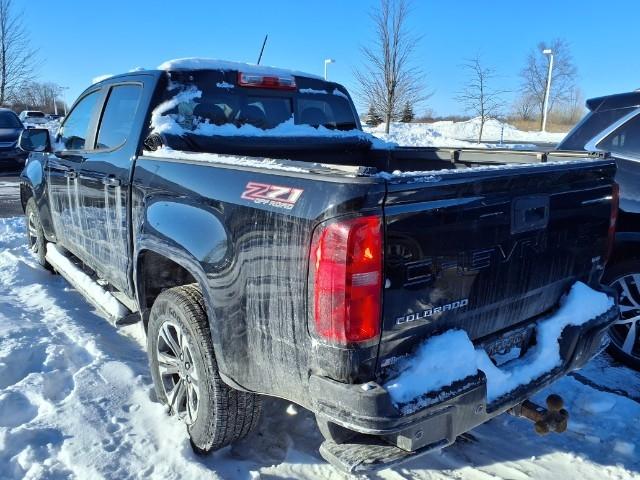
(327, 62)
(545, 107)
(64, 104)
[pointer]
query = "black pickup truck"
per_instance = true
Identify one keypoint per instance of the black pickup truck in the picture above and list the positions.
(270, 247)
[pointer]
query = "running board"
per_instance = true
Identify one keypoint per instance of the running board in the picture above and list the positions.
(100, 298)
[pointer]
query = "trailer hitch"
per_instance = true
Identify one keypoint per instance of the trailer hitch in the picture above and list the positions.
(554, 418)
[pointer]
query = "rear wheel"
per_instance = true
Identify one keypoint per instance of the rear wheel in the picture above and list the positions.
(185, 373)
(625, 332)
(35, 235)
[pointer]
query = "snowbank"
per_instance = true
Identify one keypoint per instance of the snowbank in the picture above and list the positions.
(435, 365)
(461, 134)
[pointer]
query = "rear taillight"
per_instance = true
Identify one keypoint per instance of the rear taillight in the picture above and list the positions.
(346, 280)
(615, 203)
(278, 82)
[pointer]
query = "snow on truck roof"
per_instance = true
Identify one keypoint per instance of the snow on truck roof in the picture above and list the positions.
(194, 63)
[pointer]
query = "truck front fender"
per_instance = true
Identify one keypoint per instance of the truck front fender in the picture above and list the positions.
(33, 184)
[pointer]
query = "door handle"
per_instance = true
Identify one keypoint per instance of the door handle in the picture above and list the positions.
(71, 174)
(111, 181)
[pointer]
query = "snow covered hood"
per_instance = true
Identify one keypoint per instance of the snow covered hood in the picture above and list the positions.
(194, 63)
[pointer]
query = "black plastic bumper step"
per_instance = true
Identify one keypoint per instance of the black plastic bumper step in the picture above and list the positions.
(366, 454)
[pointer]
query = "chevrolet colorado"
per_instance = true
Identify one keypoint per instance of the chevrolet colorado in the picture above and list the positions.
(270, 247)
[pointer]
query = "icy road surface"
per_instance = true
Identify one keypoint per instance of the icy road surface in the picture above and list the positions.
(76, 402)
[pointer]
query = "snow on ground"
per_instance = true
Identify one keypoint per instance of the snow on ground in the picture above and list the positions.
(9, 188)
(76, 401)
(461, 134)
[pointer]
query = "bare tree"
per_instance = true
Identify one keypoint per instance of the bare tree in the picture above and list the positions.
(524, 108)
(563, 78)
(478, 97)
(17, 58)
(574, 109)
(37, 96)
(389, 79)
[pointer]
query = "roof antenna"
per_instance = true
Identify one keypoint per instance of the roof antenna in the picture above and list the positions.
(262, 49)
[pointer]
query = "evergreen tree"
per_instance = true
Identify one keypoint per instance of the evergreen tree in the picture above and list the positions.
(407, 113)
(373, 119)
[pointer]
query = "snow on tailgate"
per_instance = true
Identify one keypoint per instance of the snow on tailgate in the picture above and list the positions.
(451, 356)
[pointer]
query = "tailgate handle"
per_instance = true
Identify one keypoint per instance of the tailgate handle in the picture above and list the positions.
(529, 213)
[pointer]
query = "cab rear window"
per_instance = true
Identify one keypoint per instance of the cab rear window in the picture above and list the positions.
(201, 101)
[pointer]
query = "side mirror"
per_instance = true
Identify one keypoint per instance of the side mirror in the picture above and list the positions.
(35, 140)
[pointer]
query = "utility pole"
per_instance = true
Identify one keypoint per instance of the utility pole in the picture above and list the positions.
(64, 103)
(545, 107)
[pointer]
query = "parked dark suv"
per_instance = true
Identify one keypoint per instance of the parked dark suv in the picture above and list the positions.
(613, 125)
(11, 157)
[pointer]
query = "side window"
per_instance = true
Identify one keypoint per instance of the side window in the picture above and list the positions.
(625, 140)
(75, 130)
(118, 116)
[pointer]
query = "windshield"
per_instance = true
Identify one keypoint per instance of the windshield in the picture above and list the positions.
(211, 103)
(9, 120)
(35, 114)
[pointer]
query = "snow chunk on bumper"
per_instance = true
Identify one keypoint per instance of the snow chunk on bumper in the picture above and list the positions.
(444, 359)
(438, 363)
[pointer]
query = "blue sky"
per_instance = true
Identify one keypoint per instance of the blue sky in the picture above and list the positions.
(79, 40)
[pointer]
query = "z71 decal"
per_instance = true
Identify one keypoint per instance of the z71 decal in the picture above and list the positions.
(272, 195)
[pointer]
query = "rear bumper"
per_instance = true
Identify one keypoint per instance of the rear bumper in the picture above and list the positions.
(368, 408)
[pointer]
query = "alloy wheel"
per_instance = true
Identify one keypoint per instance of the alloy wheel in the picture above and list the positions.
(178, 372)
(33, 233)
(625, 331)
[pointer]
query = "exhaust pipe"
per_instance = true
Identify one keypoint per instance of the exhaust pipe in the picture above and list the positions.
(554, 418)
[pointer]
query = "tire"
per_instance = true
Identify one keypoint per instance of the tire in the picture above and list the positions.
(625, 333)
(216, 414)
(35, 235)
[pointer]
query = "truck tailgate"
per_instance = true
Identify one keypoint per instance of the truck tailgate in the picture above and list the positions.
(486, 249)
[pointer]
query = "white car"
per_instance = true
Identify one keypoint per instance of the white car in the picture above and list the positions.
(33, 117)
